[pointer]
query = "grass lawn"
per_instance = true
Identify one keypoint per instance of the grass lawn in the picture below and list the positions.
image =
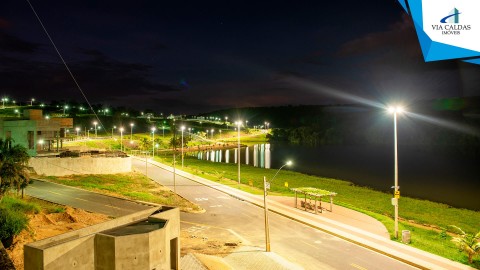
(425, 219)
(133, 186)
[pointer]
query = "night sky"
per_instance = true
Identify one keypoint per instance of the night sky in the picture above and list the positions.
(199, 56)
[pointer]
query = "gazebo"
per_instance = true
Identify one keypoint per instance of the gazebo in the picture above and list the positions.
(313, 193)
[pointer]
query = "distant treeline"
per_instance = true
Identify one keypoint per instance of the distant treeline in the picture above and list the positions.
(451, 129)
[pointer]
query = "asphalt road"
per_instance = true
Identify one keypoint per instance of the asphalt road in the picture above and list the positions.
(300, 244)
(86, 200)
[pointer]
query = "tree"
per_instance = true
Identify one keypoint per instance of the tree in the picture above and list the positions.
(468, 243)
(13, 167)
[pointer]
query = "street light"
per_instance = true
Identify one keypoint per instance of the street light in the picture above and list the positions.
(64, 108)
(163, 131)
(182, 128)
(95, 124)
(153, 141)
(266, 185)
(395, 110)
(3, 102)
(114, 127)
(31, 101)
(131, 131)
(121, 139)
(238, 123)
(41, 142)
(211, 134)
(77, 129)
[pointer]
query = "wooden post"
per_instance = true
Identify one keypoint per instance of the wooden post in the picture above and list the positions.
(305, 204)
(316, 212)
(331, 203)
(296, 205)
(321, 210)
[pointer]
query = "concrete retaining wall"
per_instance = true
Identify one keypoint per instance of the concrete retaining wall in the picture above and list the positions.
(91, 248)
(80, 165)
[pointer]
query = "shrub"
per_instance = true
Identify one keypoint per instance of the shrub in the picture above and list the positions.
(11, 222)
(20, 205)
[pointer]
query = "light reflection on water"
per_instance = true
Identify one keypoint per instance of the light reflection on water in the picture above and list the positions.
(441, 178)
(261, 155)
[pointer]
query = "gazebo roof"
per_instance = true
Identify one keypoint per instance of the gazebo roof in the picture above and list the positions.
(313, 191)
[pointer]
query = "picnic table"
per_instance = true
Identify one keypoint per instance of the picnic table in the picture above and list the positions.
(313, 193)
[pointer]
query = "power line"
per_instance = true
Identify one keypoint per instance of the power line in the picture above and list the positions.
(65, 64)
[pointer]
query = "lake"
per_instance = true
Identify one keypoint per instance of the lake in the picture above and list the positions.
(436, 177)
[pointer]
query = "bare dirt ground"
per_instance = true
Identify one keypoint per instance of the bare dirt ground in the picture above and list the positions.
(43, 225)
(193, 239)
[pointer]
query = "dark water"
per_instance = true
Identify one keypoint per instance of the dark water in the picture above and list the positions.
(441, 178)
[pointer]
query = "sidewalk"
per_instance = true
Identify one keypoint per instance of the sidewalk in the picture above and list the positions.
(346, 224)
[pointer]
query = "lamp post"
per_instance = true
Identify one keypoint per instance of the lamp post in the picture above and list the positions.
(182, 128)
(114, 127)
(121, 139)
(153, 141)
(77, 129)
(131, 131)
(211, 132)
(31, 101)
(163, 131)
(239, 123)
(266, 185)
(64, 108)
(3, 102)
(95, 124)
(395, 110)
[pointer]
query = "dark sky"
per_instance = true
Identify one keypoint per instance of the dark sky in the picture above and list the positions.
(198, 56)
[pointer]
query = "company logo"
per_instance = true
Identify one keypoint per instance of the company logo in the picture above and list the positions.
(450, 24)
(453, 17)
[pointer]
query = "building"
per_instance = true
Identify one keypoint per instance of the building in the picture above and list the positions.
(35, 132)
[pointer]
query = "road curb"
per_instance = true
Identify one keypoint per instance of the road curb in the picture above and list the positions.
(406, 258)
(106, 195)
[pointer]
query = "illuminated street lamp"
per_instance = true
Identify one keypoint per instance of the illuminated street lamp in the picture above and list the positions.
(41, 142)
(65, 108)
(17, 112)
(121, 139)
(3, 102)
(395, 110)
(211, 134)
(77, 129)
(182, 128)
(114, 127)
(31, 101)
(238, 123)
(131, 131)
(153, 141)
(163, 131)
(95, 124)
(266, 185)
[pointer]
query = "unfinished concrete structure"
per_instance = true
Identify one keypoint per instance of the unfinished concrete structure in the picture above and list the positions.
(35, 132)
(144, 240)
